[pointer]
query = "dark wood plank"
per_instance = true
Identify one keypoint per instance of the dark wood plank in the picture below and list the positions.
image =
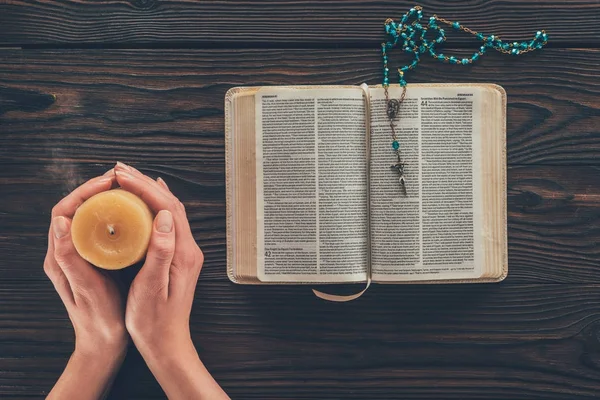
(232, 23)
(451, 342)
(553, 220)
(99, 105)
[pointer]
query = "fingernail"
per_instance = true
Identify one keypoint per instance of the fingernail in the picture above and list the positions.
(124, 166)
(60, 226)
(164, 221)
(106, 179)
(123, 174)
(162, 182)
(110, 172)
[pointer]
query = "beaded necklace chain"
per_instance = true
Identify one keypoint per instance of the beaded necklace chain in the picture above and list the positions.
(410, 30)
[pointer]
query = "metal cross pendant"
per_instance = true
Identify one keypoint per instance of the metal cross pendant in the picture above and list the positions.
(399, 166)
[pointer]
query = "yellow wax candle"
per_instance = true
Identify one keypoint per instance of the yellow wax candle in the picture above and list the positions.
(112, 229)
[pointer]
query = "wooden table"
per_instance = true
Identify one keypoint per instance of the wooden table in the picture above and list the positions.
(84, 84)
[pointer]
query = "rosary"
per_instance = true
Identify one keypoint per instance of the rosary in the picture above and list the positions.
(410, 30)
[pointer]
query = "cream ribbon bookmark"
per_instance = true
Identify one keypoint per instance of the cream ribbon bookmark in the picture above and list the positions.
(341, 298)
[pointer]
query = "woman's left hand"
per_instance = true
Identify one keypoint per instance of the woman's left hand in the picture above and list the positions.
(93, 302)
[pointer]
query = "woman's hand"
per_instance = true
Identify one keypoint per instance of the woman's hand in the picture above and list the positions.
(93, 302)
(161, 295)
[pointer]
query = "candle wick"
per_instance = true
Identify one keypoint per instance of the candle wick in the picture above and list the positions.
(111, 230)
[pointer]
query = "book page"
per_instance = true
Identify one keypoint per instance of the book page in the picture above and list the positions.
(433, 232)
(311, 185)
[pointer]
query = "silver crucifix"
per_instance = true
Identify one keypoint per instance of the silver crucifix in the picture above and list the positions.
(399, 166)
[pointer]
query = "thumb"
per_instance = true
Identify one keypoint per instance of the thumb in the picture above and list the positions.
(160, 250)
(75, 268)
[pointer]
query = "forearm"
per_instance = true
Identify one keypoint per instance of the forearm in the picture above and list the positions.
(88, 376)
(181, 374)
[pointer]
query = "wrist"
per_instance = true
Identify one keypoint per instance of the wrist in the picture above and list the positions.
(106, 343)
(111, 353)
(164, 346)
(88, 374)
(180, 372)
(97, 366)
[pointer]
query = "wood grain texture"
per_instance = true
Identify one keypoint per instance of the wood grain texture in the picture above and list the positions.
(485, 342)
(144, 98)
(231, 23)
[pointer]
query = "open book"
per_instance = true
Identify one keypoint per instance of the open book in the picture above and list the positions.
(311, 197)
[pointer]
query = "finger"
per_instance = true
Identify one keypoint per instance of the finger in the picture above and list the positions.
(67, 206)
(110, 172)
(159, 199)
(159, 185)
(156, 199)
(128, 168)
(55, 274)
(155, 272)
(163, 183)
(76, 269)
(183, 281)
(59, 281)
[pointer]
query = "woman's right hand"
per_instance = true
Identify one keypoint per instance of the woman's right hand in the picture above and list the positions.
(161, 295)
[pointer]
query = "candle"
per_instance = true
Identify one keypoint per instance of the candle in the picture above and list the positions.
(112, 229)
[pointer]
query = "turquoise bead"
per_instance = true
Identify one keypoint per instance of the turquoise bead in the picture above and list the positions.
(395, 145)
(410, 36)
